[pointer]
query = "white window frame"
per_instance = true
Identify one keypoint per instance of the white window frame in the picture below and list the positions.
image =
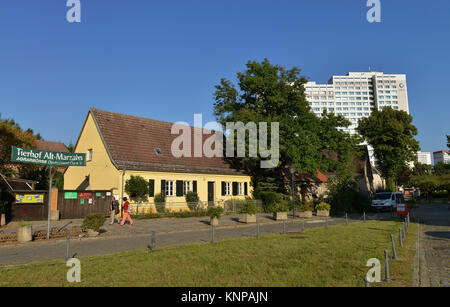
(170, 188)
(227, 188)
(240, 188)
(187, 187)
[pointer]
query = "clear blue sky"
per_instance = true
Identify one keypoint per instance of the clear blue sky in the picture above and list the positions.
(161, 59)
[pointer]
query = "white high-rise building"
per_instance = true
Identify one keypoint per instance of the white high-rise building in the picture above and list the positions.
(357, 94)
(424, 157)
(442, 156)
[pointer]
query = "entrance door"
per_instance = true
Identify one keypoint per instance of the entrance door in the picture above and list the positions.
(210, 193)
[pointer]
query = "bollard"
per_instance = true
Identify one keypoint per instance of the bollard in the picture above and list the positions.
(400, 236)
(346, 218)
(153, 241)
(404, 230)
(67, 247)
(364, 217)
(394, 252)
(303, 224)
(386, 266)
(284, 227)
(213, 239)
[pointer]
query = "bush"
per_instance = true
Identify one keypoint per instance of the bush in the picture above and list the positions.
(283, 205)
(271, 200)
(214, 212)
(192, 200)
(93, 221)
(344, 196)
(137, 188)
(248, 207)
(305, 206)
(323, 206)
(160, 202)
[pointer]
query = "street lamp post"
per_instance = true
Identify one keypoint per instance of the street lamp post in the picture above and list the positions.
(292, 170)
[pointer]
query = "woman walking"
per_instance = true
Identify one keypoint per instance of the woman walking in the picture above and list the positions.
(126, 213)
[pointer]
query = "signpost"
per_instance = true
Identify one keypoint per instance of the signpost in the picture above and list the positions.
(47, 158)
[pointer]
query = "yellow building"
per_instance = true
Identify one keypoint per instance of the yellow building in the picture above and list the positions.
(118, 146)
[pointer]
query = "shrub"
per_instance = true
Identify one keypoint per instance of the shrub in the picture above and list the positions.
(305, 206)
(344, 196)
(137, 188)
(214, 212)
(160, 202)
(323, 206)
(93, 221)
(270, 201)
(283, 205)
(192, 200)
(248, 207)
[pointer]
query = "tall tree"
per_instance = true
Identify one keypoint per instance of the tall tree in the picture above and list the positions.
(391, 133)
(271, 93)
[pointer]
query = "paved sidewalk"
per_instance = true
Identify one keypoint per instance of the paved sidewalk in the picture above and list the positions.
(434, 245)
(168, 232)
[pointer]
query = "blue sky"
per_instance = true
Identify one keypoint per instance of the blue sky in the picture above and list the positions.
(162, 59)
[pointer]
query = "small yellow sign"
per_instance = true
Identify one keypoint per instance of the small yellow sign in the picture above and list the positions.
(29, 198)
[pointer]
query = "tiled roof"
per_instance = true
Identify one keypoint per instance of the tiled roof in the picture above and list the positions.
(51, 146)
(131, 142)
(304, 177)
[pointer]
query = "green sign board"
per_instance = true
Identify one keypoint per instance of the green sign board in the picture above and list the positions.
(44, 157)
(70, 195)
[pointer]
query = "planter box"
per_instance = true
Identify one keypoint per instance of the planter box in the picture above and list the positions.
(214, 221)
(280, 216)
(247, 218)
(25, 234)
(3, 220)
(305, 214)
(323, 213)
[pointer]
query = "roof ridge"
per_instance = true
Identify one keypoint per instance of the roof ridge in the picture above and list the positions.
(146, 118)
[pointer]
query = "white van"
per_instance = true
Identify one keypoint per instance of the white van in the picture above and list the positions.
(386, 201)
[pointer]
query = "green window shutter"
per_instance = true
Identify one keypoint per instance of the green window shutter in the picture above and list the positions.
(245, 188)
(235, 188)
(151, 188)
(163, 187)
(223, 188)
(194, 186)
(179, 188)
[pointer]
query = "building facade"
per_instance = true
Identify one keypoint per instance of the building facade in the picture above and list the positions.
(357, 94)
(119, 146)
(424, 157)
(442, 156)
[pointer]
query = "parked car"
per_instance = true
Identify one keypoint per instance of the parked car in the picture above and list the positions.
(386, 201)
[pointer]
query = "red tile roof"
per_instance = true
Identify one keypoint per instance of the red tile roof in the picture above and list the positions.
(304, 177)
(131, 142)
(51, 146)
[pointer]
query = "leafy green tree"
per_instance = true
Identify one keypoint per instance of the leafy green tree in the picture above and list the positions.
(391, 133)
(12, 135)
(426, 183)
(137, 188)
(271, 93)
(441, 169)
